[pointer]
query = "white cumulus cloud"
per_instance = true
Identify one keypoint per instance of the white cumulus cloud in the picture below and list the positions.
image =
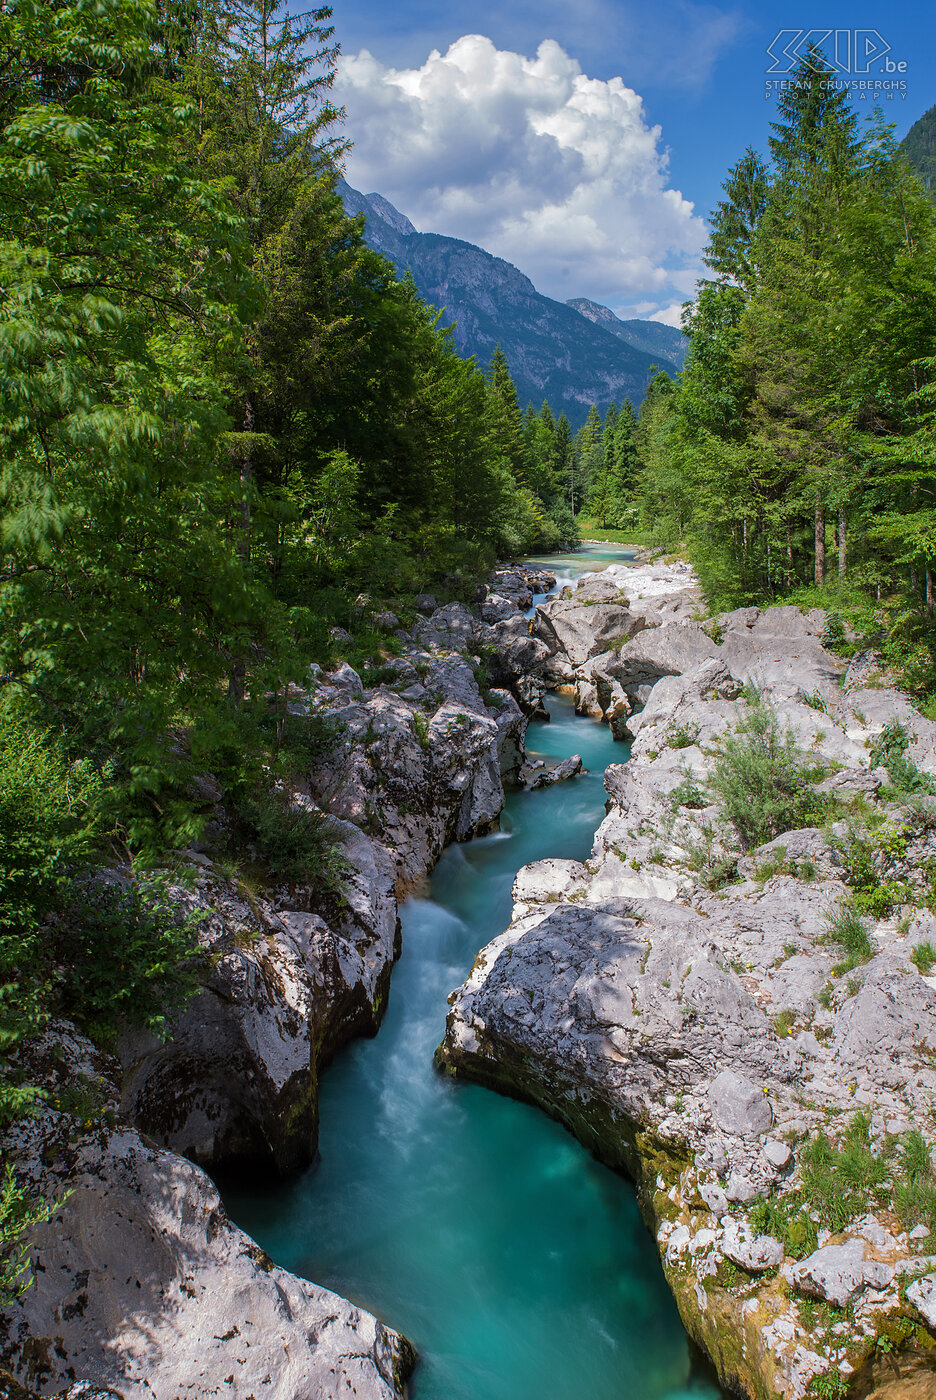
(557, 172)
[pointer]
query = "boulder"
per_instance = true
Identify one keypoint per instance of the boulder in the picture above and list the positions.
(531, 695)
(756, 1254)
(738, 1106)
(451, 628)
(837, 1272)
(568, 768)
(922, 1294)
(577, 629)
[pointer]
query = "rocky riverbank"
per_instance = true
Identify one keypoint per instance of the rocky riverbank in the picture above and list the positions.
(142, 1284)
(746, 1026)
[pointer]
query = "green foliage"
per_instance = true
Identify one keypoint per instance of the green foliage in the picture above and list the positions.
(846, 927)
(923, 957)
(831, 1386)
(682, 736)
(787, 1219)
(48, 823)
(840, 1181)
(706, 856)
(761, 778)
(815, 701)
(784, 1023)
(294, 842)
(687, 793)
(915, 1190)
(804, 421)
(18, 1215)
(128, 956)
(865, 859)
(889, 751)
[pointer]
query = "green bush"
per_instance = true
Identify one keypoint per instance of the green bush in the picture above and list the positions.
(889, 751)
(862, 856)
(104, 955)
(48, 819)
(761, 778)
(682, 736)
(127, 957)
(300, 846)
(18, 1213)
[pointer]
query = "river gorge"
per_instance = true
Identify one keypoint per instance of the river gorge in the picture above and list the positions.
(706, 1133)
(516, 1264)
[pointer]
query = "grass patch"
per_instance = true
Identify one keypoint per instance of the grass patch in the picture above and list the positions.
(923, 957)
(846, 928)
(840, 1181)
(591, 530)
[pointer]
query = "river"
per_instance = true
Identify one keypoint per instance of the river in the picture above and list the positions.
(517, 1265)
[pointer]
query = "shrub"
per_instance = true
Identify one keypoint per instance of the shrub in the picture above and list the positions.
(48, 820)
(889, 751)
(682, 736)
(17, 1215)
(687, 794)
(295, 844)
(861, 858)
(815, 700)
(761, 778)
(706, 858)
(128, 957)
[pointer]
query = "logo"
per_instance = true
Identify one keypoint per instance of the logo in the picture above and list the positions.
(855, 59)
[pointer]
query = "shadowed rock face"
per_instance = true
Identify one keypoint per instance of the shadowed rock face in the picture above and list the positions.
(698, 1037)
(420, 761)
(143, 1285)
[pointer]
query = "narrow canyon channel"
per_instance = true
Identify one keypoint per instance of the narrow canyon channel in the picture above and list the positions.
(517, 1265)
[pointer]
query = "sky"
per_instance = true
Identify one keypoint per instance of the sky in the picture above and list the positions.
(586, 141)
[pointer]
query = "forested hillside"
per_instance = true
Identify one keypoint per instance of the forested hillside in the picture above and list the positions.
(794, 457)
(665, 342)
(919, 146)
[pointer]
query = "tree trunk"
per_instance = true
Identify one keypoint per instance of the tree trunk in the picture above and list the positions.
(929, 591)
(789, 557)
(238, 677)
(820, 545)
(842, 542)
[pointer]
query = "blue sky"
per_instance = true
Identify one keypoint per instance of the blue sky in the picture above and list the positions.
(566, 177)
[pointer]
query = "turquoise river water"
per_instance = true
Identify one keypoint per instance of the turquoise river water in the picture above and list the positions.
(517, 1265)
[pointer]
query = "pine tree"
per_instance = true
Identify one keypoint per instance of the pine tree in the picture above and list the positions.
(736, 219)
(510, 427)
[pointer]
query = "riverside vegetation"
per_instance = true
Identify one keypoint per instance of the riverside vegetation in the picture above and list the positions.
(222, 417)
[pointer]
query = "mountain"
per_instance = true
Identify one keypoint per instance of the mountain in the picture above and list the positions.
(554, 352)
(651, 336)
(919, 146)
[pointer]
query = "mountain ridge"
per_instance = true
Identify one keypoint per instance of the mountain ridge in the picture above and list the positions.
(554, 351)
